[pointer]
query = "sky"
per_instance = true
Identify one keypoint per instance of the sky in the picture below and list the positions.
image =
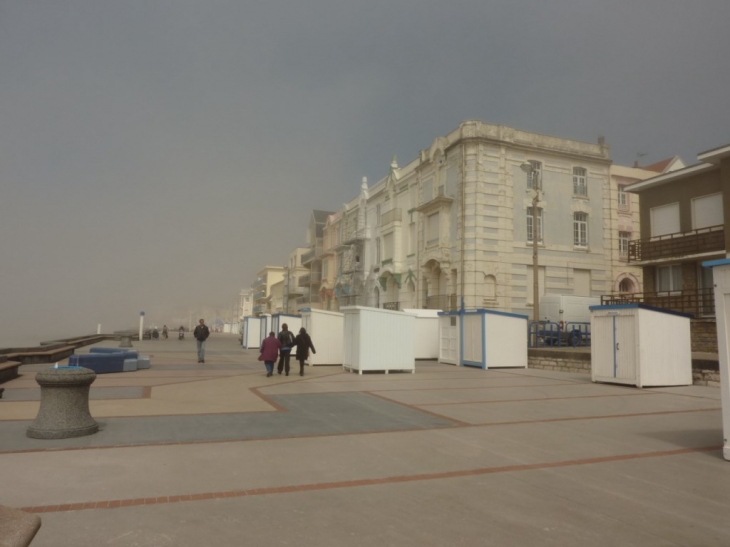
(154, 155)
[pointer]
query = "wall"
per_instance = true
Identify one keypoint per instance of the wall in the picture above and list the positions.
(704, 335)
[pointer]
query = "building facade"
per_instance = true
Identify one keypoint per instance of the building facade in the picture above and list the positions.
(311, 260)
(266, 278)
(457, 222)
(682, 225)
(292, 290)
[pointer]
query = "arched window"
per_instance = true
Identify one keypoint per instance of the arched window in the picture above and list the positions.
(626, 285)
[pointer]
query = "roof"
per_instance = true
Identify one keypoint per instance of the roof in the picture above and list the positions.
(321, 216)
(715, 155)
(671, 176)
(665, 166)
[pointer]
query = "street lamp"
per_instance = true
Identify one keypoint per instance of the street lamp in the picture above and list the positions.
(529, 168)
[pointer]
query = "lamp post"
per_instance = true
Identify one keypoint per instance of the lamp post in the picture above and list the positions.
(531, 171)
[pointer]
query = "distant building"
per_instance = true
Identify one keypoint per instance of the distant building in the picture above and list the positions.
(312, 261)
(294, 288)
(266, 279)
(245, 306)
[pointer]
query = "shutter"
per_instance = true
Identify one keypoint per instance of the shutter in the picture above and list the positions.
(665, 220)
(707, 211)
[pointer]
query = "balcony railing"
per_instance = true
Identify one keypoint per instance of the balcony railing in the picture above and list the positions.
(446, 302)
(394, 306)
(313, 252)
(308, 299)
(294, 287)
(310, 278)
(391, 216)
(699, 302)
(704, 240)
(259, 295)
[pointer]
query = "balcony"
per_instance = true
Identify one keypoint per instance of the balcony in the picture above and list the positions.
(259, 295)
(308, 299)
(293, 287)
(696, 242)
(347, 300)
(446, 302)
(259, 309)
(259, 281)
(393, 306)
(313, 253)
(698, 302)
(310, 279)
(394, 215)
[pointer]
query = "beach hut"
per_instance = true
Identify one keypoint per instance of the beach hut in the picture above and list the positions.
(378, 340)
(426, 337)
(640, 345)
(483, 338)
(293, 322)
(264, 326)
(251, 333)
(326, 330)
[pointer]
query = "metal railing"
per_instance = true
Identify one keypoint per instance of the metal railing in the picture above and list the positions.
(312, 277)
(394, 306)
(446, 302)
(541, 334)
(704, 240)
(699, 302)
(313, 252)
(259, 295)
(309, 299)
(347, 300)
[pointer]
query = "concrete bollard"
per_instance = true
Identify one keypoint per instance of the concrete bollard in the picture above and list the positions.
(64, 410)
(17, 528)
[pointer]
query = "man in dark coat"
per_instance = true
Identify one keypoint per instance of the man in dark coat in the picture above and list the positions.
(287, 342)
(201, 334)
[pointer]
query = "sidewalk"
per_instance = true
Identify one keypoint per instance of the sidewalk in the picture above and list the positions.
(217, 454)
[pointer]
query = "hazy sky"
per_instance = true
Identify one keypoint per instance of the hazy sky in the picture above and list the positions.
(155, 154)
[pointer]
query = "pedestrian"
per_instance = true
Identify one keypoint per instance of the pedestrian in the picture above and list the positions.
(303, 342)
(287, 342)
(201, 334)
(269, 352)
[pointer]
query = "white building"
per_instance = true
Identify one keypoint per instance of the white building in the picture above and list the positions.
(456, 221)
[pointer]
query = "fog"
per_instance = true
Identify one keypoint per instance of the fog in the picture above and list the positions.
(155, 154)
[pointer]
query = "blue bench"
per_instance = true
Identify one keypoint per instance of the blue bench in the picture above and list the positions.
(102, 363)
(111, 350)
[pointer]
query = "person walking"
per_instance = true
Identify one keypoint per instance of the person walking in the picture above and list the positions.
(303, 342)
(269, 352)
(201, 334)
(287, 342)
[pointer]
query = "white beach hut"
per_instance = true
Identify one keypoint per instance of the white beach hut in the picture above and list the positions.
(293, 322)
(483, 338)
(426, 338)
(639, 345)
(264, 326)
(378, 340)
(326, 330)
(251, 333)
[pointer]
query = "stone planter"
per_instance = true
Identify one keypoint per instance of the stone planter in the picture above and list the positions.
(64, 410)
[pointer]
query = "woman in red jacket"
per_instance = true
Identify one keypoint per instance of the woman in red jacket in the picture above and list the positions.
(269, 352)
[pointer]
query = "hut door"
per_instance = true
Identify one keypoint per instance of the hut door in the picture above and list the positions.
(625, 345)
(473, 333)
(614, 342)
(449, 347)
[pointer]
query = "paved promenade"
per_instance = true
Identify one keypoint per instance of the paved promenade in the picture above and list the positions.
(217, 454)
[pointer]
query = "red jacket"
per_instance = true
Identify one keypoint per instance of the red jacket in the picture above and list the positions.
(270, 349)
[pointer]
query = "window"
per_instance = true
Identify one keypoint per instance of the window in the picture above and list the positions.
(669, 278)
(624, 203)
(433, 229)
(539, 225)
(707, 211)
(388, 246)
(623, 245)
(580, 229)
(580, 184)
(534, 178)
(664, 220)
